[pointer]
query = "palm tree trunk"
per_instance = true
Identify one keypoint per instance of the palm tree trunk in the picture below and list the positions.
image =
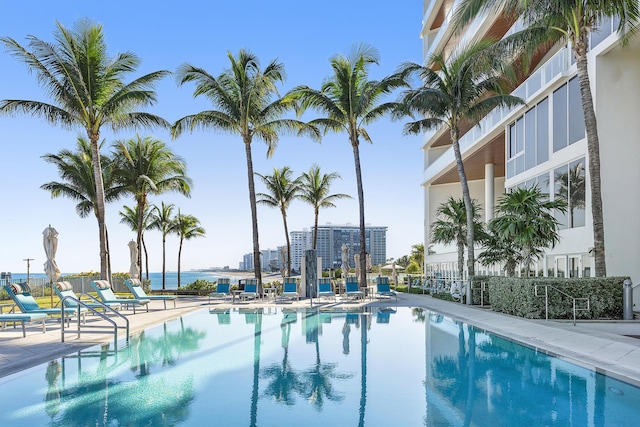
(179, 257)
(363, 240)
(315, 230)
(466, 196)
(286, 232)
(461, 258)
(140, 231)
(257, 267)
(146, 257)
(593, 148)
(105, 274)
(164, 259)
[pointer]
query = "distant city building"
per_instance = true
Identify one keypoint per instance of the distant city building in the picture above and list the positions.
(270, 261)
(300, 242)
(330, 240)
(329, 247)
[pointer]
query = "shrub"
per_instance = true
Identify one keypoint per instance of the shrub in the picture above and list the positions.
(201, 285)
(517, 296)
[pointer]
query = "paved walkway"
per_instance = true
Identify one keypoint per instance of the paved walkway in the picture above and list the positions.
(598, 345)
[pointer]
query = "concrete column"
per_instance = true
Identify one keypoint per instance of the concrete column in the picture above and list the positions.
(489, 191)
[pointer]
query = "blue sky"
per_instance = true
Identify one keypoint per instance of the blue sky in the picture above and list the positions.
(301, 35)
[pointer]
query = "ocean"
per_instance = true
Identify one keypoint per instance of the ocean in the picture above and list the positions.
(171, 278)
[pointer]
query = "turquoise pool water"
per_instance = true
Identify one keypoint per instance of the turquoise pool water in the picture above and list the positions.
(278, 367)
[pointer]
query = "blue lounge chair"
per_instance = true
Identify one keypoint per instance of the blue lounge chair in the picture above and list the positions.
(135, 286)
(324, 289)
(290, 289)
(383, 289)
(23, 318)
(21, 296)
(223, 289)
(65, 290)
(103, 288)
(250, 290)
(351, 288)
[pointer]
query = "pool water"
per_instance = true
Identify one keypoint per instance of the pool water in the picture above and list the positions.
(279, 367)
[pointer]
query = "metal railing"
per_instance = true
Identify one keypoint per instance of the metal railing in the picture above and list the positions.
(103, 315)
(573, 299)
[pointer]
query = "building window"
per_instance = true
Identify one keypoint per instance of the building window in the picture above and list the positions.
(568, 118)
(529, 140)
(570, 185)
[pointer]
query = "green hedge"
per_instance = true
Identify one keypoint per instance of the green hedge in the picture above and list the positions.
(516, 296)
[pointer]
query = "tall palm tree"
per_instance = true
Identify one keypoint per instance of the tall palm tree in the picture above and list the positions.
(524, 224)
(351, 101)
(463, 87)
(88, 91)
(163, 221)
(450, 226)
(282, 190)
(187, 227)
(248, 105)
(130, 217)
(314, 189)
(147, 166)
(568, 21)
(78, 183)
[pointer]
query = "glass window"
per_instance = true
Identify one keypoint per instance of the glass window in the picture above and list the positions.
(530, 139)
(560, 118)
(576, 115)
(519, 135)
(576, 207)
(542, 133)
(561, 181)
(512, 141)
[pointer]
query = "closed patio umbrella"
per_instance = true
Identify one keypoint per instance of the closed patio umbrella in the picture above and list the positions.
(345, 261)
(50, 243)
(134, 272)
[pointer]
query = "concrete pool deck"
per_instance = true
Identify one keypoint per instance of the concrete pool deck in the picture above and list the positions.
(603, 346)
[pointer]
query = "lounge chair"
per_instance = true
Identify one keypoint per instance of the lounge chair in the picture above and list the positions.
(103, 288)
(250, 290)
(352, 290)
(23, 318)
(290, 289)
(383, 289)
(223, 289)
(21, 296)
(324, 289)
(135, 286)
(64, 290)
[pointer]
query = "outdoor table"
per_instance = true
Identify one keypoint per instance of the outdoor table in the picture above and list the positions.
(270, 293)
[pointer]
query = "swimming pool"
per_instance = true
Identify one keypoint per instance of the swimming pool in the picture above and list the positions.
(279, 367)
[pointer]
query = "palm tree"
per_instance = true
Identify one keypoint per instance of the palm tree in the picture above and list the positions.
(246, 98)
(130, 217)
(187, 227)
(88, 91)
(282, 191)
(314, 189)
(524, 225)
(162, 220)
(450, 226)
(568, 21)
(147, 166)
(351, 101)
(463, 87)
(417, 254)
(76, 171)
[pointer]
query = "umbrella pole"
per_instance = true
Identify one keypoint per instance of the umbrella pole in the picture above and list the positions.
(51, 294)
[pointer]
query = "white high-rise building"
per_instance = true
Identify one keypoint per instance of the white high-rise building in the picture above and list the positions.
(544, 143)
